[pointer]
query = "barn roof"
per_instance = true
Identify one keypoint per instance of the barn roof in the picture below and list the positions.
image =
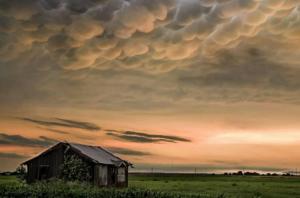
(98, 154)
(95, 154)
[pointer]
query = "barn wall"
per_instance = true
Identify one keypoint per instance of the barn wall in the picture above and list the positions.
(111, 176)
(52, 161)
(101, 175)
(122, 176)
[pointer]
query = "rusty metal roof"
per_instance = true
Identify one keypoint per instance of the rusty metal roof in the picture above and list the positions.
(98, 154)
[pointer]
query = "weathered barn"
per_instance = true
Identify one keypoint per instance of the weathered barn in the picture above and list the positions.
(105, 168)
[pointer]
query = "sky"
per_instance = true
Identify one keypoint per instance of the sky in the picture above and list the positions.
(165, 84)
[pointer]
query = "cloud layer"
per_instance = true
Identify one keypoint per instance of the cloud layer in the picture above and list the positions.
(104, 53)
(155, 36)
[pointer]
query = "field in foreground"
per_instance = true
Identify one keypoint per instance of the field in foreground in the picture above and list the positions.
(230, 186)
(168, 186)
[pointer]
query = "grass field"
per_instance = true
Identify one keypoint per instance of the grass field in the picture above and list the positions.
(213, 185)
(231, 186)
(8, 180)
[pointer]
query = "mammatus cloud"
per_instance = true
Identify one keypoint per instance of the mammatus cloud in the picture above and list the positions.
(102, 54)
(155, 36)
(12, 156)
(19, 140)
(125, 151)
(64, 123)
(140, 137)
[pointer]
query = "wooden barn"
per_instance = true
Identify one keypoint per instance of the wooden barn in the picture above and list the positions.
(105, 168)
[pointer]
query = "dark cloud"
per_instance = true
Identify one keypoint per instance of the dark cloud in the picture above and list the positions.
(57, 131)
(19, 140)
(134, 136)
(80, 124)
(64, 123)
(12, 155)
(167, 137)
(70, 133)
(96, 54)
(124, 151)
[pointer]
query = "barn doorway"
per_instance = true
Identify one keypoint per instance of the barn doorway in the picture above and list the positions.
(112, 175)
(43, 172)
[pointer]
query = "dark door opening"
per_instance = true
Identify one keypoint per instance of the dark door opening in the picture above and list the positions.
(43, 172)
(113, 176)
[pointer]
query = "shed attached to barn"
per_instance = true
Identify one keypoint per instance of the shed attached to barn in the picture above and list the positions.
(105, 168)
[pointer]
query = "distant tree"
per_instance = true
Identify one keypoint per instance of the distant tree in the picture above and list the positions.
(251, 173)
(21, 172)
(240, 172)
(74, 169)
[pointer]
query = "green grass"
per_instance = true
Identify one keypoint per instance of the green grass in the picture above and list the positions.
(8, 180)
(214, 186)
(230, 186)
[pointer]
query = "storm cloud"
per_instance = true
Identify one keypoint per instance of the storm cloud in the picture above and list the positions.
(155, 36)
(118, 54)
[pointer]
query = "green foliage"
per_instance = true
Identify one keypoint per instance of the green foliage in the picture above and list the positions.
(161, 186)
(75, 169)
(9, 180)
(61, 189)
(21, 172)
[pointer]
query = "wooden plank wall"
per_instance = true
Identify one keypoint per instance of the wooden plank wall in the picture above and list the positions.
(53, 159)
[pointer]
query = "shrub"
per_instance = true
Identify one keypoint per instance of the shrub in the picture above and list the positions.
(74, 169)
(21, 173)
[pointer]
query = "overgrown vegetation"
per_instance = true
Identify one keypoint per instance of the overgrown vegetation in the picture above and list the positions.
(21, 173)
(59, 189)
(161, 186)
(75, 169)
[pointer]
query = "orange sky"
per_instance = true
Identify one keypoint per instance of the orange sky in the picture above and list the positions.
(259, 138)
(173, 84)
